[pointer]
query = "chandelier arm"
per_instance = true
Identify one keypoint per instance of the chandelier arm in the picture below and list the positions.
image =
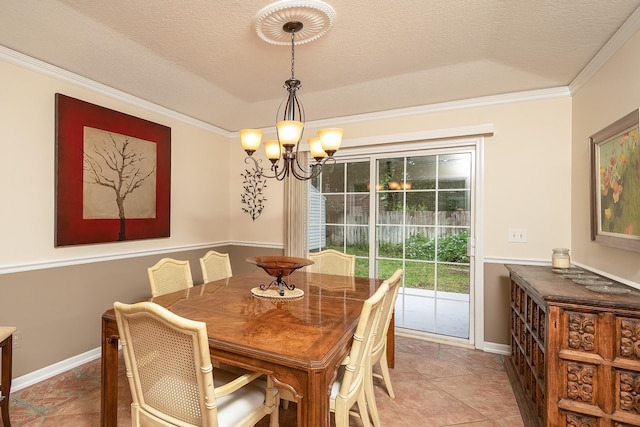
(315, 171)
(328, 159)
(300, 109)
(282, 174)
(274, 167)
(301, 168)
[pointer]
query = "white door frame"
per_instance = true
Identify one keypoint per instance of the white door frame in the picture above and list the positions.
(473, 136)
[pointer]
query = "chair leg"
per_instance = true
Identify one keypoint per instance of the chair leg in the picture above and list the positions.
(7, 346)
(341, 414)
(274, 417)
(273, 400)
(384, 368)
(363, 408)
(372, 407)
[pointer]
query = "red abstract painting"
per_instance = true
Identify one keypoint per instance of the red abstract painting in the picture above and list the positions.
(113, 175)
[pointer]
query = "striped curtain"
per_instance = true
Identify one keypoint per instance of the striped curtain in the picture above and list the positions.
(295, 213)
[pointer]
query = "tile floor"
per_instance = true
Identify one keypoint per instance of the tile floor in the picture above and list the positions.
(435, 385)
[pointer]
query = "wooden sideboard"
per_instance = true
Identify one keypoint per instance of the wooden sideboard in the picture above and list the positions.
(575, 353)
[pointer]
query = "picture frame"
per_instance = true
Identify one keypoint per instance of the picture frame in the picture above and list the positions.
(615, 184)
(113, 175)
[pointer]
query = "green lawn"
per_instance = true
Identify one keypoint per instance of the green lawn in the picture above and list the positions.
(421, 275)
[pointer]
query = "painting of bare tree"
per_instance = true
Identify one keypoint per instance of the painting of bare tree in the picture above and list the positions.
(113, 175)
(119, 177)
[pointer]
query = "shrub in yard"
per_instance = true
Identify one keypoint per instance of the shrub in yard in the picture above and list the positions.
(421, 247)
(453, 248)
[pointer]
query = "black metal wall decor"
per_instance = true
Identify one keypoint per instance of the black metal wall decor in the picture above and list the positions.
(253, 197)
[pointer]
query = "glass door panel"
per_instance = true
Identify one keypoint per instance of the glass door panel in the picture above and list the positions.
(419, 209)
(423, 207)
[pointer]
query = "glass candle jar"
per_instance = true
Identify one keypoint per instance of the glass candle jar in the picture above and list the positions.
(560, 258)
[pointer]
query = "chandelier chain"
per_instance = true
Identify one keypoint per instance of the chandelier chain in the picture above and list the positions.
(293, 35)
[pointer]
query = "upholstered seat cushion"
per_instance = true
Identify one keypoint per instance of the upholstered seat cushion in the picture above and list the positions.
(335, 388)
(234, 407)
(6, 332)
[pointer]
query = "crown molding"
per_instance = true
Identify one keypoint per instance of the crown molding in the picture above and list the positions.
(33, 64)
(624, 33)
(485, 101)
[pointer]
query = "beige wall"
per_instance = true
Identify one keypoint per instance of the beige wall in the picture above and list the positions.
(609, 95)
(27, 134)
(57, 309)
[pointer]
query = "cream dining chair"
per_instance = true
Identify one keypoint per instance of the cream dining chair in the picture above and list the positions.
(378, 352)
(215, 266)
(169, 275)
(348, 388)
(172, 380)
(330, 261)
(349, 385)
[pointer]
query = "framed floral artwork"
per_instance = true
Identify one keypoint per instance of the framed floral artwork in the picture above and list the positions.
(615, 184)
(113, 175)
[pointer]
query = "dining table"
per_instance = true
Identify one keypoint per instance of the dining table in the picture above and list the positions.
(299, 341)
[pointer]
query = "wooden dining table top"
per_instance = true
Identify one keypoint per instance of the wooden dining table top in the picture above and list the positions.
(299, 341)
(301, 332)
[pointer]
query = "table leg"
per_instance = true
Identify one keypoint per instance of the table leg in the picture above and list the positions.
(391, 343)
(109, 370)
(314, 407)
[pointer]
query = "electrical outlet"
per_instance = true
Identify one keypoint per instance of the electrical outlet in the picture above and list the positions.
(517, 235)
(17, 339)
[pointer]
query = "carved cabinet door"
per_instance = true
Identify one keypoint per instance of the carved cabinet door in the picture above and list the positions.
(597, 369)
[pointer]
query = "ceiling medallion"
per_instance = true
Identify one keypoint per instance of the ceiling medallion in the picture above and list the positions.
(316, 16)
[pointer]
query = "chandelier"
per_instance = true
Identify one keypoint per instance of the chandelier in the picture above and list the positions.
(284, 151)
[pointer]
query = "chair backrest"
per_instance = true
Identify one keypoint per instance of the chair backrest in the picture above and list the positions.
(331, 261)
(388, 305)
(356, 369)
(168, 365)
(169, 275)
(215, 266)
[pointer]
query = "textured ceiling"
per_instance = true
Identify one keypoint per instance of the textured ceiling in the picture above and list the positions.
(204, 59)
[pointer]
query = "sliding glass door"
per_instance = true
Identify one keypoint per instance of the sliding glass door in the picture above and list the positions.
(416, 216)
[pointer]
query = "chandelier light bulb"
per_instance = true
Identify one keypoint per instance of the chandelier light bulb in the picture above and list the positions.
(289, 132)
(331, 139)
(272, 150)
(315, 146)
(250, 139)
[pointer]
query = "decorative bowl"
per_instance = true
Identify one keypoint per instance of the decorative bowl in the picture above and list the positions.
(279, 266)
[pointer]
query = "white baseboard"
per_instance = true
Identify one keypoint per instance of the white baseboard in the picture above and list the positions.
(55, 369)
(491, 347)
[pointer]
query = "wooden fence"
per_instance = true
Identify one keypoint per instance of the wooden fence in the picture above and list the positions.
(391, 230)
